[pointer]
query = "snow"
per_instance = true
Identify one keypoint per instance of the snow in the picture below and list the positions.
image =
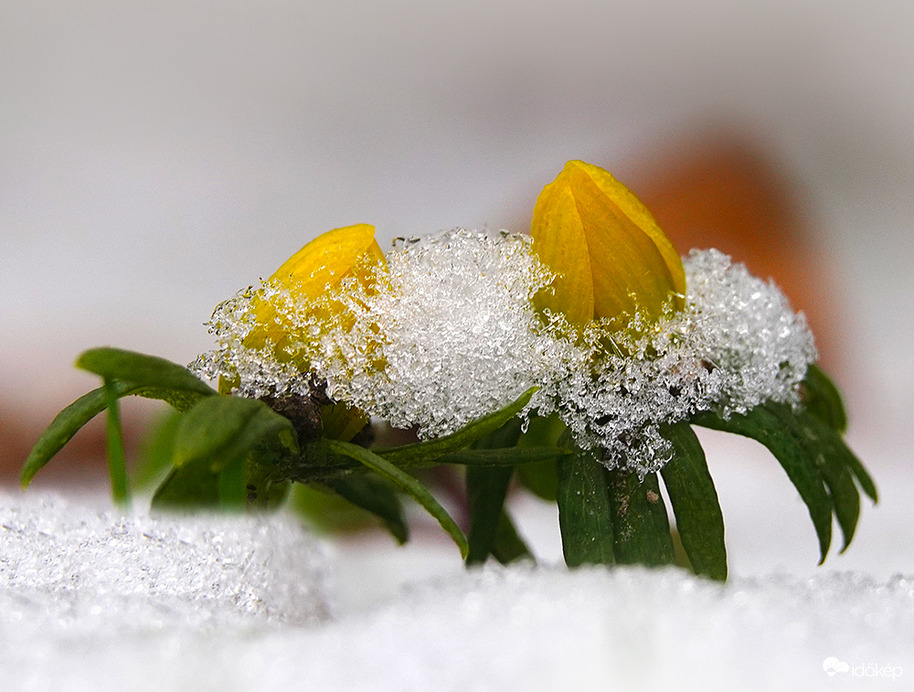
(93, 599)
(447, 332)
(77, 580)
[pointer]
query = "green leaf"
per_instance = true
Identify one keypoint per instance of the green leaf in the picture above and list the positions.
(232, 485)
(218, 445)
(431, 450)
(405, 482)
(156, 451)
(117, 459)
(140, 369)
(242, 484)
(508, 546)
(130, 373)
(863, 478)
(65, 425)
(220, 429)
(823, 400)
(510, 456)
(539, 477)
(765, 426)
(376, 496)
(641, 529)
(188, 487)
(834, 461)
(695, 505)
(487, 489)
(585, 513)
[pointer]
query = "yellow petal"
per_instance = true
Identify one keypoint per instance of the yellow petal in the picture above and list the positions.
(327, 259)
(633, 266)
(559, 241)
(322, 263)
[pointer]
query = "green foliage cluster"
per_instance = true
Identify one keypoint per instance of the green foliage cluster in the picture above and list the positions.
(228, 452)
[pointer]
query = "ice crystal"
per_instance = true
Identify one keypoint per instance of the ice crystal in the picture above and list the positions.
(735, 345)
(447, 332)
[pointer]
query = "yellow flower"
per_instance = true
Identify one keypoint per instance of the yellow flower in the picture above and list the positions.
(610, 256)
(308, 274)
(330, 258)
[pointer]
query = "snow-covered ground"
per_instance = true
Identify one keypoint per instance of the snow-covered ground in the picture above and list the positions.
(93, 600)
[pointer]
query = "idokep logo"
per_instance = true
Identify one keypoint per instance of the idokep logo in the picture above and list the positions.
(832, 666)
(835, 667)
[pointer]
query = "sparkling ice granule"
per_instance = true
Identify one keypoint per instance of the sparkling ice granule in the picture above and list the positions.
(447, 332)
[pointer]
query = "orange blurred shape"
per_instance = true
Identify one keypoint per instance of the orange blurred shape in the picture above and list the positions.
(719, 188)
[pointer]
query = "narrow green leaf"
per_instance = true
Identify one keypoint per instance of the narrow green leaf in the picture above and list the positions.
(156, 451)
(695, 505)
(117, 458)
(509, 546)
(641, 529)
(833, 460)
(487, 489)
(221, 429)
(188, 487)
(232, 486)
(504, 437)
(539, 477)
(863, 478)
(406, 483)
(431, 450)
(65, 425)
(141, 369)
(585, 514)
(491, 531)
(376, 496)
(509, 456)
(823, 400)
(763, 425)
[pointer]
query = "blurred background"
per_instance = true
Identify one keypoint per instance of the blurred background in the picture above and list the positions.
(157, 156)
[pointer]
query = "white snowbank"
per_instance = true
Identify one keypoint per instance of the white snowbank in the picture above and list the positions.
(91, 600)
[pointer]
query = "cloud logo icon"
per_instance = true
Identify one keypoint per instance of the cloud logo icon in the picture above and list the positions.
(832, 666)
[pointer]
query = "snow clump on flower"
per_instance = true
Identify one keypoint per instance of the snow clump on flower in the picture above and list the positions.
(448, 333)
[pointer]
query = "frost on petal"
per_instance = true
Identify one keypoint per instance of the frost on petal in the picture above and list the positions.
(735, 345)
(448, 332)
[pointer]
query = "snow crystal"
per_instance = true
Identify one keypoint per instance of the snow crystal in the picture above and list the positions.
(88, 568)
(447, 332)
(454, 327)
(520, 627)
(735, 345)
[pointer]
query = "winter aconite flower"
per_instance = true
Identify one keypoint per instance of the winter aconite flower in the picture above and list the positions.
(305, 278)
(302, 284)
(611, 258)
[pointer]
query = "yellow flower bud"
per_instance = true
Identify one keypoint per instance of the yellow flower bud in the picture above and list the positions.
(309, 273)
(610, 256)
(328, 259)
(318, 266)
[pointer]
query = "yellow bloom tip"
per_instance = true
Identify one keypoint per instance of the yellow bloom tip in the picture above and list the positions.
(609, 253)
(328, 258)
